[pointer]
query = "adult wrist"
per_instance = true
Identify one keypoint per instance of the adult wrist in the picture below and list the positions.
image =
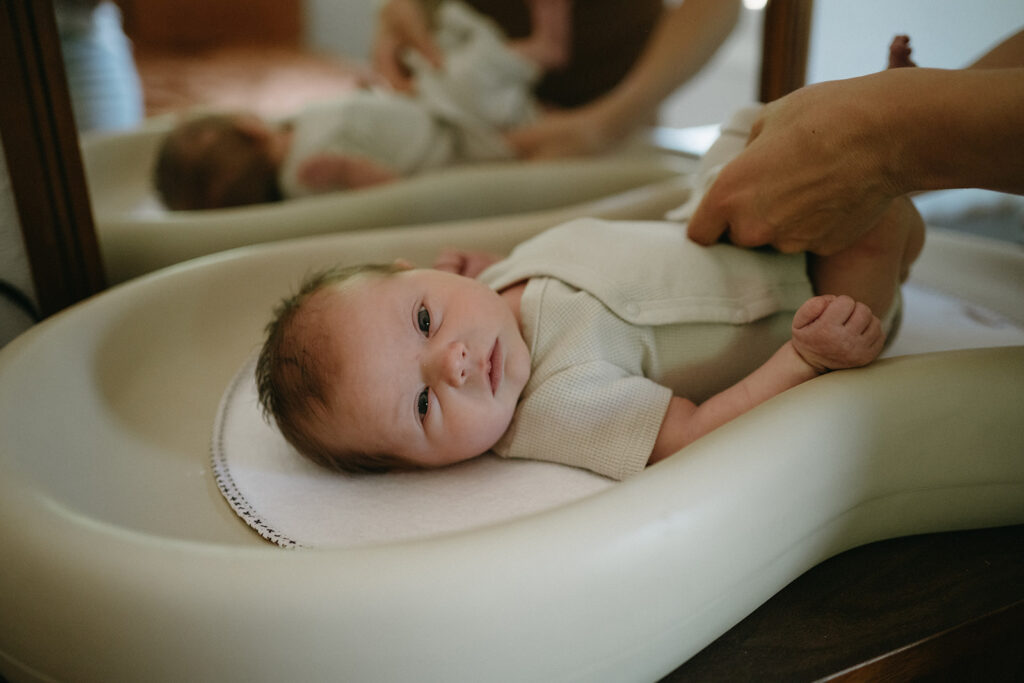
(952, 128)
(891, 136)
(613, 119)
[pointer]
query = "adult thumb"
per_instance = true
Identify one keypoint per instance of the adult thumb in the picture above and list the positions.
(709, 222)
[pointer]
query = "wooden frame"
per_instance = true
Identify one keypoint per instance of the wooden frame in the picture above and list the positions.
(787, 33)
(43, 159)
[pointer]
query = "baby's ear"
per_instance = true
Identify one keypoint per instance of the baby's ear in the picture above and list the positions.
(402, 264)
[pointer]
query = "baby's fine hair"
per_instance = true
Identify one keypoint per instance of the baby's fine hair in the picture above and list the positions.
(292, 380)
(210, 162)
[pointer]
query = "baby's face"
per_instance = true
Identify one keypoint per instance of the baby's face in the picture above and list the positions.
(430, 365)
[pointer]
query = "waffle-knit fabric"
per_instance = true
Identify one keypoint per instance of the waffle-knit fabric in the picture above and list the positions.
(620, 315)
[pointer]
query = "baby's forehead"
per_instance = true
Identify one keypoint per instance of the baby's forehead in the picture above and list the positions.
(344, 292)
(316, 310)
(333, 301)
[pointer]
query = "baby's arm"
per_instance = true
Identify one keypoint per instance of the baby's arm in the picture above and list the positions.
(549, 42)
(829, 333)
(326, 172)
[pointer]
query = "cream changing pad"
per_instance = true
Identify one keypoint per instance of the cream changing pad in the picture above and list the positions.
(295, 503)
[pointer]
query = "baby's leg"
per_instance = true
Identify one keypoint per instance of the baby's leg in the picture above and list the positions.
(872, 269)
(549, 42)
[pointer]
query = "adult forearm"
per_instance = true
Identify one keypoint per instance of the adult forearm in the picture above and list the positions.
(683, 42)
(1008, 53)
(954, 128)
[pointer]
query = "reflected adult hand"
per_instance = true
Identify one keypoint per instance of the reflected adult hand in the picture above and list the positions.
(813, 176)
(401, 25)
(577, 132)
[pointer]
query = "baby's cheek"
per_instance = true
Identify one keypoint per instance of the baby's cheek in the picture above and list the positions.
(484, 430)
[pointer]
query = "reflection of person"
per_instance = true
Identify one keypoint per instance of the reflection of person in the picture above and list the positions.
(370, 137)
(626, 58)
(102, 79)
(576, 348)
(824, 162)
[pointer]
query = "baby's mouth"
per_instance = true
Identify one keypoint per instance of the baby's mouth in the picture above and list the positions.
(494, 371)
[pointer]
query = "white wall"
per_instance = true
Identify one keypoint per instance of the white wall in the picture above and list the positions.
(729, 81)
(852, 38)
(847, 39)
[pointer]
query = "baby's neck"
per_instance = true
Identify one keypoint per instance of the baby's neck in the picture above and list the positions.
(512, 296)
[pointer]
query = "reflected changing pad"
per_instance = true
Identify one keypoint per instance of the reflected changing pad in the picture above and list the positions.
(295, 503)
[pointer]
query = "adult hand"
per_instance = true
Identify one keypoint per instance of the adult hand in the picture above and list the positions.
(813, 176)
(401, 25)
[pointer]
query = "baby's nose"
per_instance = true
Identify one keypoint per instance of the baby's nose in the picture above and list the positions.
(452, 363)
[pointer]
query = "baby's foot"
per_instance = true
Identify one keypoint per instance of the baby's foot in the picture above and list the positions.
(548, 45)
(899, 52)
(835, 332)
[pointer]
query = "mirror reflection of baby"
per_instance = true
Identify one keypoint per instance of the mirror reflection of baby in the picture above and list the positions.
(602, 345)
(369, 137)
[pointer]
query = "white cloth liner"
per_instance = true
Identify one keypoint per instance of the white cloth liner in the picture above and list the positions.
(292, 502)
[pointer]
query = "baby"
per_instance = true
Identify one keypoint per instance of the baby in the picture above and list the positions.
(369, 137)
(602, 345)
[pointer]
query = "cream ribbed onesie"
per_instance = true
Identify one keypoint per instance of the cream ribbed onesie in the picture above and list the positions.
(620, 315)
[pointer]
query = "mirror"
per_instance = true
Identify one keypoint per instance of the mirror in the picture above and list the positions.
(40, 138)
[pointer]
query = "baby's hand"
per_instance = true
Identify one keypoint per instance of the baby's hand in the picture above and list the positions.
(468, 263)
(835, 332)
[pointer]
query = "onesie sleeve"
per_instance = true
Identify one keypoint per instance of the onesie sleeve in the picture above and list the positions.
(595, 416)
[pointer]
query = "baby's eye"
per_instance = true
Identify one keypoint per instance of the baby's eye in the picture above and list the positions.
(423, 403)
(423, 320)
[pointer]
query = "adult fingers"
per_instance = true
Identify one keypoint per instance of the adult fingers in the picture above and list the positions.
(387, 64)
(522, 141)
(709, 221)
(402, 26)
(536, 142)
